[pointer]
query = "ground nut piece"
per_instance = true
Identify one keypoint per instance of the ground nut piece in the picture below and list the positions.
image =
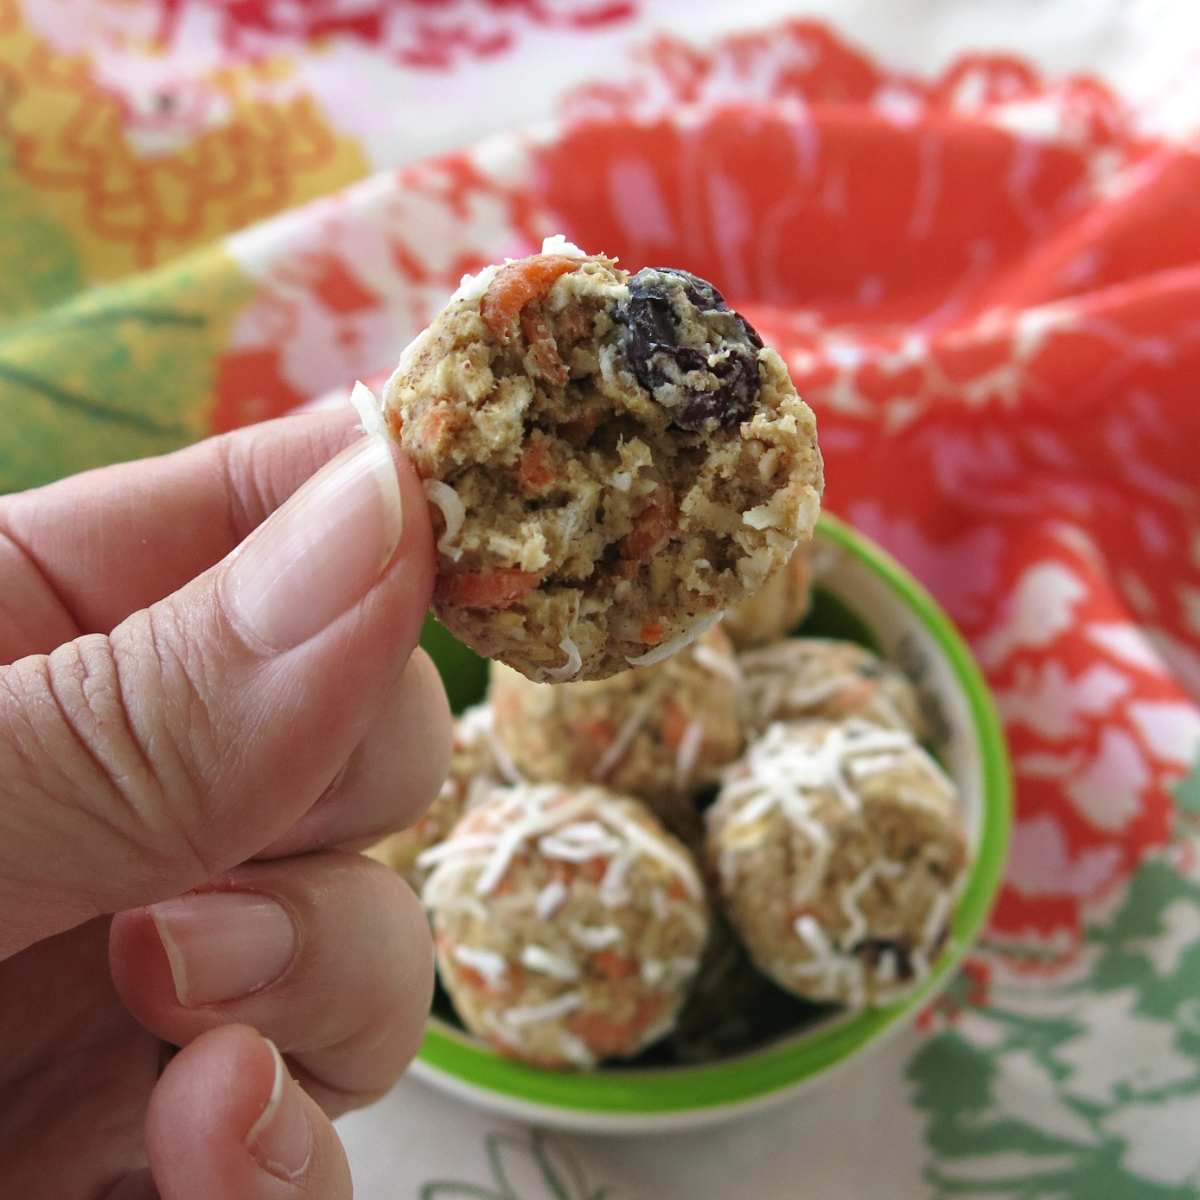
(840, 852)
(476, 768)
(569, 924)
(776, 608)
(801, 678)
(611, 460)
(660, 733)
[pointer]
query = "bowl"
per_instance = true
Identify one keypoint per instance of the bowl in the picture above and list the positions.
(864, 595)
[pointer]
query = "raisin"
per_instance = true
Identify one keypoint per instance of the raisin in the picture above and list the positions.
(700, 393)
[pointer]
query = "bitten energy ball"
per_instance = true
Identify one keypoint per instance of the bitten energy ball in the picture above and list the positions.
(659, 733)
(839, 850)
(477, 767)
(818, 677)
(613, 461)
(776, 608)
(568, 924)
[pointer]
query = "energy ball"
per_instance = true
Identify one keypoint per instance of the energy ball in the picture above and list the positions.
(802, 678)
(477, 767)
(840, 852)
(568, 923)
(660, 733)
(612, 460)
(776, 608)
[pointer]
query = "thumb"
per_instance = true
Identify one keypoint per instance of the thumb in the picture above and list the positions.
(138, 765)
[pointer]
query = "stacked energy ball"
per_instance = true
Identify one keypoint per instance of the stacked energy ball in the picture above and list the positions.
(654, 855)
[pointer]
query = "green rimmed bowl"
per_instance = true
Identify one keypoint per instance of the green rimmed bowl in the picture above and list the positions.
(865, 595)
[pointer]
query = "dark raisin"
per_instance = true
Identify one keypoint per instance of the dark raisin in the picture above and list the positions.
(870, 670)
(872, 950)
(679, 375)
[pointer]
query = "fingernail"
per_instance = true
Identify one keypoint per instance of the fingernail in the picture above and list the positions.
(321, 552)
(222, 945)
(281, 1138)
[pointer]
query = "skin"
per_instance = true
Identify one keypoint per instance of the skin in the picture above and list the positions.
(115, 649)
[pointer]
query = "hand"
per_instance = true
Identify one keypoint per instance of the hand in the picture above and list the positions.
(204, 710)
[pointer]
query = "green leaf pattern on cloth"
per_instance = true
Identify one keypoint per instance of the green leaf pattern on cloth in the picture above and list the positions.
(524, 1167)
(116, 373)
(1089, 1088)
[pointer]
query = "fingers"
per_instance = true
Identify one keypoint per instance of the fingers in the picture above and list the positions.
(227, 1120)
(329, 955)
(393, 775)
(82, 554)
(137, 766)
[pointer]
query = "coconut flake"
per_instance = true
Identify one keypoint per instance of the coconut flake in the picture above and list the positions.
(454, 513)
(535, 1014)
(675, 644)
(596, 937)
(570, 668)
(851, 896)
(488, 963)
(625, 735)
(504, 762)
(558, 244)
(689, 752)
(538, 958)
(369, 409)
(472, 287)
(550, 899)
(575, 1050)
(762, 517)
(579, 842)
(718, 663)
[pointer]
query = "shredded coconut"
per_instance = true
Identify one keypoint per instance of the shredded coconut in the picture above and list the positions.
(762, 517)
(550, 899)
(538, 958)
(632, 724)
(370, 411)
(535, 1014)
(558, 244)
(570, 668)
(688, 753)
(488, 963)
(718, 663)
(596, 937)
(447, 500)
(672, 645)
(472, 287)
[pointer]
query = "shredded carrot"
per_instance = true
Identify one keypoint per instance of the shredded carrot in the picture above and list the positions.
(652, 633)
(600, 733)
(676, 890)
(605, 1036)
(496, 589)
(611, 965)
(536, 474)
(853, 695)
(434, 424)
(674, 723)
(593, 868)
(516, 284)
(652, 528)
(395, 423)
(543, 349)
